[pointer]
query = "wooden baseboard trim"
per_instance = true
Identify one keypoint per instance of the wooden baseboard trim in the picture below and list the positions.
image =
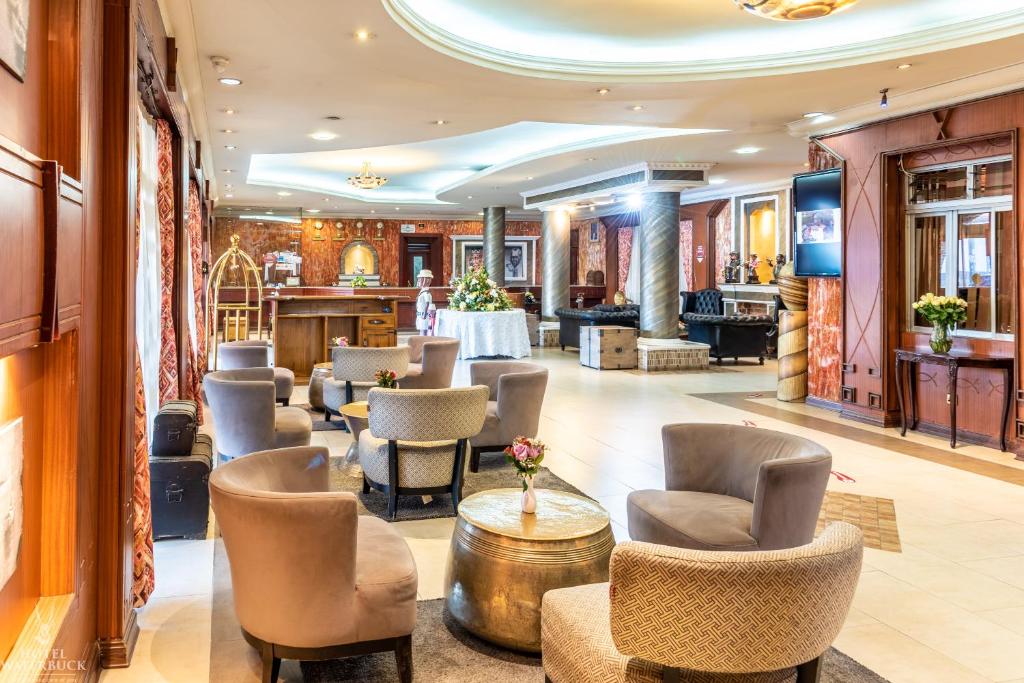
(116, 653)
(823, 403)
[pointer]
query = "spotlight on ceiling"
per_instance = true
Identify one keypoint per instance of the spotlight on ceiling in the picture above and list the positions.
(904, 66)
(794, 10)
(229, 131)
(603, 91)
(747, 150)
(284, 193)
(229, 81)
(230, 147)
(440, 122)
(229, 196)
(323, 135)
(635, 200)
(363, 35)
(637, 107)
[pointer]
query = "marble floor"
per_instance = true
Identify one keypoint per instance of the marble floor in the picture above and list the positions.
(948, 608)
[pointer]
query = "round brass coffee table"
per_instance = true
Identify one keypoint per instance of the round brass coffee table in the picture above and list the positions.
(321, 371)
(503, 561)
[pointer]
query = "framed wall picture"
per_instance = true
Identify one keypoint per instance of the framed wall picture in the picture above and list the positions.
(595, 232)
(14, 16)
(516, 262)
(471, 256)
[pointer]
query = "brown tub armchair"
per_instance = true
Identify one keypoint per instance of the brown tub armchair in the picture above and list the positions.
(431, 362)
(513, 407)
(312, 578)
(732, 488)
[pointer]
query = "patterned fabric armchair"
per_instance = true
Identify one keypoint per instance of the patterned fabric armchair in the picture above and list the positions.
(255, 353)
(416, 443)
(354, 368)
(729, 336)
(431, 362)
(570, 320)
(671, 614)
(729, 487)
(513, 405)
(245, 418)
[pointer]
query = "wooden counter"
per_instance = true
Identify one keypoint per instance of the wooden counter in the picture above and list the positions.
(303, 326)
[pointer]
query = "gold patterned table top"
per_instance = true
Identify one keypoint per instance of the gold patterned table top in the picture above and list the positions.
(360, 409)
(560, 515)
(329, 365)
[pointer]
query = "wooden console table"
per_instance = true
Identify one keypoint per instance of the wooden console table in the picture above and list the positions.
(953, 362)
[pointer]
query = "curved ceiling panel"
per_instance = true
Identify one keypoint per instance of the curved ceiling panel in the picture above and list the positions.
(678, 40)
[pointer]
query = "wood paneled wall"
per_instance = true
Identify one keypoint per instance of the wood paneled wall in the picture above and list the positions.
(874, 299)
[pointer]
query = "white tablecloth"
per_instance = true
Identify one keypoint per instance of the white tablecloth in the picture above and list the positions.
(501, 333)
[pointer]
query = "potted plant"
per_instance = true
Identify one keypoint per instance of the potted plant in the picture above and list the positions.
(943, 312)
(359, 281)
(386, 379)
(526, 456)
(792, 289)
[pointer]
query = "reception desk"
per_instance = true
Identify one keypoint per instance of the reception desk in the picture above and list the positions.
(303, 327)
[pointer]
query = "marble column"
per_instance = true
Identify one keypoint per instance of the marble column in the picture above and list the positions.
(494, 243)
(659, 266)
(554, 234)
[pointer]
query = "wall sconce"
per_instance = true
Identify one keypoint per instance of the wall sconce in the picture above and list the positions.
(340, 233)
(318, 228)
(379, 232)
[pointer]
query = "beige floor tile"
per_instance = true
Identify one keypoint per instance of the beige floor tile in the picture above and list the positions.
(901, 659)
(1011, 618)
(1007, 569)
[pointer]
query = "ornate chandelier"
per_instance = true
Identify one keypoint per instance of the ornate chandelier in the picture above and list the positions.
(367, 180)
(793, 10)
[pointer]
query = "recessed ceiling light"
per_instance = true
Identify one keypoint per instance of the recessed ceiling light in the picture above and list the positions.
(529, 177)
(327, 199)
(747, 150)
(591, 159)
(397, 209)
(373, 211)
(312, 210)
(813, 114)
(440, 122)
(717, 181)
(284, 193)
(230, 147)
(637, 107)
(603, 91)
(469, 197)
(362, 35)
(229, 186)
(229, 170)
(229, 112)
(229, 196)
(904, 66)
(229, 131)
(230, 81)
(333, 117)
(323, 135)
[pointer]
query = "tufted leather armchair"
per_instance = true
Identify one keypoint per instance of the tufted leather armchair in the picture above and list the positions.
(570, 320)
(729, 336)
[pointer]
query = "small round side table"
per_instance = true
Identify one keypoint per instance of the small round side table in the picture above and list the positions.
(357, 417)
(503, 561)
(321, 371)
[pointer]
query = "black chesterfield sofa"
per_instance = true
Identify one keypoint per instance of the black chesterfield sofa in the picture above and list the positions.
(729, 336)
(570, 320)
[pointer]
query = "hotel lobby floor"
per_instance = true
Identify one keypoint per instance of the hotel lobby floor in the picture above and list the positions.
(948, 607)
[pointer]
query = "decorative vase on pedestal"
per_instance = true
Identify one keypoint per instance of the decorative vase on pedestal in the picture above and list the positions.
(940, 342)
(529, 496)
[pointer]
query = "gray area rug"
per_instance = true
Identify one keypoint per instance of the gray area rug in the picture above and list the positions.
(494, 473)
(319, 423)
(444, 652)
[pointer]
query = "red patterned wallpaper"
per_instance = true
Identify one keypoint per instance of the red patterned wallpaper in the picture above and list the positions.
(625, 255)
(321, 258)
(686, 254)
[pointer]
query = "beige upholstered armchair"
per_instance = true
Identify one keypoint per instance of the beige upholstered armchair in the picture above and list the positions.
(416, 443)
(245, 418)
(255, 353)
(431, 362)
(513, 407)
(732, 488)
(312, 579)
(354, 367)
(673, 614)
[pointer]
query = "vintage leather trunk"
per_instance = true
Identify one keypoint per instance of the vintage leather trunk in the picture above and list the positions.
(174, 429)
(180, 493)
(608, 347)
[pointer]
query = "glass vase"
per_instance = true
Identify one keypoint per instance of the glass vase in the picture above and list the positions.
(529, 496)
(940, 341)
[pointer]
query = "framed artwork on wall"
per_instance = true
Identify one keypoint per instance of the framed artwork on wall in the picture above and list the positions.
(471, 256)
(595, 232)
(516, 262)
(14, 36)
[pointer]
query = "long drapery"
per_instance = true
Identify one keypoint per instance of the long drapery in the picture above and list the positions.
(165, 216)
(196, 338)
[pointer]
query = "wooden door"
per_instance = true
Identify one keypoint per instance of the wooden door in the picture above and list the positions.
(419, 252)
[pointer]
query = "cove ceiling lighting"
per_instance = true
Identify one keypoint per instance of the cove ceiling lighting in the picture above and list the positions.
(422, 171)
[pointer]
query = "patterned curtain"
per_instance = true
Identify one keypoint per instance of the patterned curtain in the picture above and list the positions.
(143, 578)
(196, 339)
(165, 216)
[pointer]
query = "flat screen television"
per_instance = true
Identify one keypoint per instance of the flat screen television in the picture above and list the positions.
(818, 223)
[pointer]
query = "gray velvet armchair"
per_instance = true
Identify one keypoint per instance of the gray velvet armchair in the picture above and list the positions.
(255, 353)
(312, 578)
(732, 488)
(245, 419)
(513, 407)
(431, 362)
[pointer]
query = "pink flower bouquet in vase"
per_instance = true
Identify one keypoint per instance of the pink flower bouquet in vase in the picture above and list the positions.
(526, 456)
(386, 379)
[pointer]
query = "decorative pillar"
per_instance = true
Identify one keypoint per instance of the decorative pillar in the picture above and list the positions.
(494, 243)
(555, 239)
(659, 266)
(792, 356)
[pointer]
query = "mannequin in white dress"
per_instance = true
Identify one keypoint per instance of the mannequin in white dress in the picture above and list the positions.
(424, 302)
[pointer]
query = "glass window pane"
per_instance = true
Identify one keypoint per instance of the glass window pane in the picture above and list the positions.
(994, 179)
(939, 186)
(974, 271)
(929, 259)
(1004, 272)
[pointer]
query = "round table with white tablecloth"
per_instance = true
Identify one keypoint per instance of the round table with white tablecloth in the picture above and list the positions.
(486, 333)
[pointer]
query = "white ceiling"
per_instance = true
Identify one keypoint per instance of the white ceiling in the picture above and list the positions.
(300, 63)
